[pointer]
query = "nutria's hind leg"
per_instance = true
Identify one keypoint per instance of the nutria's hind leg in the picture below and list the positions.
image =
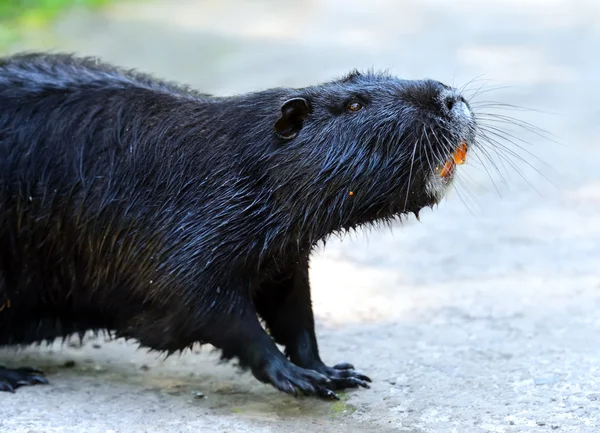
(286, 308)
(11, 379)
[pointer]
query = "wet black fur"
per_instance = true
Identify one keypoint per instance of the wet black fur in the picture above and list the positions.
(173, 217)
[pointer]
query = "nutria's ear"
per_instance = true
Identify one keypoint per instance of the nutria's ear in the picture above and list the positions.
(293, 113)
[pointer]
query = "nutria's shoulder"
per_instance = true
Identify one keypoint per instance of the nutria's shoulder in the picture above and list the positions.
(36, 72)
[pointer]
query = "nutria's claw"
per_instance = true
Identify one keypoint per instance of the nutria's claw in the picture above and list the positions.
(11, 379)
(343, 366)
(352, 382)
(295, 380)
(345, 377)
(327, 393)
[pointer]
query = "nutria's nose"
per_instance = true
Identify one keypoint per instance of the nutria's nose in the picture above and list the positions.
(437, 97)
(450, 100)
(454, 102)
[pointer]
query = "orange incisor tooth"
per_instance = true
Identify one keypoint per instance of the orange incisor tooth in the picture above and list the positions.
(448, 166)
(460, 155)
(458, 158)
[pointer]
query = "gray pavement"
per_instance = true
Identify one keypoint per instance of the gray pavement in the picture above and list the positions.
(483, 317)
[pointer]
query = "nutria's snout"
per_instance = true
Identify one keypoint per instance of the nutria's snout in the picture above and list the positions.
(458, 110)
(462, 122)
(443, 107)
(445, 127)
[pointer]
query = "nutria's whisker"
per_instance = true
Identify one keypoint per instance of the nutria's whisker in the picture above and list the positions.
(506, 154)
(412, 162)
(464, 88)
(497, 137)
(427, 151)
(470, 195)
(503, 106)
(471, 93)
(479, 148)
(509, 120)
(483, 90)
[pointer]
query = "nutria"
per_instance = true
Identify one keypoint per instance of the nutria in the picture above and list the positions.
(173, 217)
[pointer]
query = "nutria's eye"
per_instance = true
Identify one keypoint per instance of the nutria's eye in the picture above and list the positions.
(355, 106)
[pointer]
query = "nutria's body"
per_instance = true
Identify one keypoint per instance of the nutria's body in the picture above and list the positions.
(173, 217)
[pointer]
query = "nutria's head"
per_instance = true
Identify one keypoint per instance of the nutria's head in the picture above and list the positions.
(366, 148)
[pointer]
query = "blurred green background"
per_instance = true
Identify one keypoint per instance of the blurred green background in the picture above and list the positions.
(19, 16)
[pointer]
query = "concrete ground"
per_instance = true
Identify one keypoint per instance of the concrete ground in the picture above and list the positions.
(484, 317)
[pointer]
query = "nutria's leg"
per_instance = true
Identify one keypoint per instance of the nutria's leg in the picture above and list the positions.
(286, 307)
(10, 379)
(245, 339)
(237, 333)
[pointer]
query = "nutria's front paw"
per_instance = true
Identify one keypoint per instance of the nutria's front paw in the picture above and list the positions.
(290, 378)
(10, 379)
(343, 376)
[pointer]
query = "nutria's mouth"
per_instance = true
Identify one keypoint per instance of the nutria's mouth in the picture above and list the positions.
(458, 157)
